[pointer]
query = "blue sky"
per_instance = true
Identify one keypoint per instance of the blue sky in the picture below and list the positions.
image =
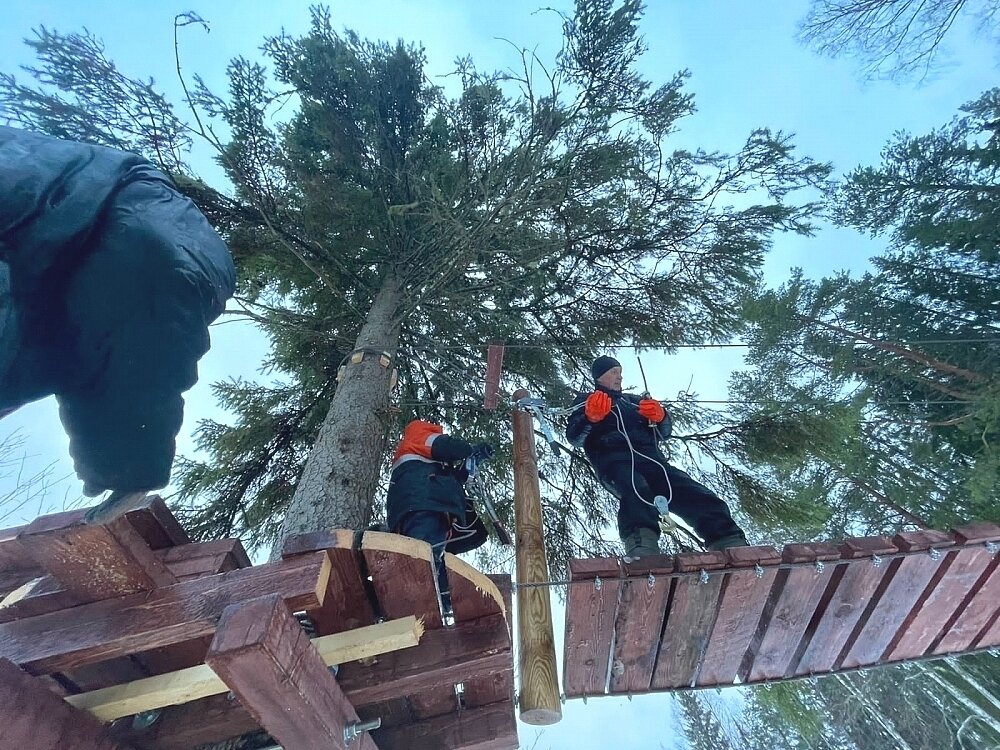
(747, 71)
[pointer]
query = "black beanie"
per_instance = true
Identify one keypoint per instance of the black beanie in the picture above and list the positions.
(602, 365)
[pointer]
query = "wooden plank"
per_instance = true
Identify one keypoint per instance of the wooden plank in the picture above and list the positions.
(742, 600)
(347, 607)
(974, 615)
(94, 562)
(157, 525)
(267, 659)
(468, 606)
(204, 558)
(402, 572)
(36, 597)
(907, 581)
(843, 604)
(175, 614)
(991, 636)
(639, 622)
(478, 649)
(494, 366)
(490, 727)
(590, 619)
(193, 683)
(964, 569)
(34, 717)
(691, 613)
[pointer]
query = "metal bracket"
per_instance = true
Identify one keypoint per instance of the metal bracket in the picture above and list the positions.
(876, 561)
(597, 583)
(934, 553)
(992, 547)
(651, 581)
(703, 576)
(820, 566)
(758, 571)
(358, 728)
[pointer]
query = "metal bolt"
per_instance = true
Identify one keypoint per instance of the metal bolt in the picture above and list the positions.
(597, 584)
(618, 668)
(876, 561)
(651, 581)
(145, 719)
(703, 576)
(358, 728)
(758, 571)
(820, 567)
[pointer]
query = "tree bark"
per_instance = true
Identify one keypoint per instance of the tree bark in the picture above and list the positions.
(338, 483)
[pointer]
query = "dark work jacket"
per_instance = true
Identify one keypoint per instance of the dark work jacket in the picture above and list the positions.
(420, 483)
(606, 447)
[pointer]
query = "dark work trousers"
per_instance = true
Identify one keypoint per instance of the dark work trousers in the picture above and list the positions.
(700, 508)
(434, 528)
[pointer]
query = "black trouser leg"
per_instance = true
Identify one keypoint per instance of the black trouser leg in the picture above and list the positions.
(432, 527)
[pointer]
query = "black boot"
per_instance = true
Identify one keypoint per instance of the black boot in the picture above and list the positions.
(733, 540)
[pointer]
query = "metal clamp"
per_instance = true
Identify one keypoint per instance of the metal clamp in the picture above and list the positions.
(876, 561)
(597, 583)
(934, 553)
(992, 547)
(358, 728)
(651, 580)
(820, 566)
(703, 576)
(758, 571)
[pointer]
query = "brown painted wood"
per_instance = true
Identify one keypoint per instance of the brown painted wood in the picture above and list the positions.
(204, 558)
(742, 600)
(494, 366)
(267, 659)
(490, 727)
(35, 718)
(590, 618)
(138, 622)
(156, 524)
(850, 590)
(907, 581)
(640, 621)
(991, 636)
(974, 614)
(498, 687)
(37, 597)
(964, 568)
(404, 582)
(479, 649)
(347, 606)
(94, 562)
(689, 620)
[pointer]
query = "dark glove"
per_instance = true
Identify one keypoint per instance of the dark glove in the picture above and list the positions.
(652, 410)
(598, 406)
(483, 452)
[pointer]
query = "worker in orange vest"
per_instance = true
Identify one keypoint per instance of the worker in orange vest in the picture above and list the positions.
(427, 498)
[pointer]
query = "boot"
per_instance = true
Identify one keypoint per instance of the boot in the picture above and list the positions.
(732, 540)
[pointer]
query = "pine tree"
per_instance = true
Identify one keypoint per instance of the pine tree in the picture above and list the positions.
(542, 204)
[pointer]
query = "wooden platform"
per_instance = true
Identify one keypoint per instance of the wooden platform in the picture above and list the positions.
(84, 609)
(753, 615)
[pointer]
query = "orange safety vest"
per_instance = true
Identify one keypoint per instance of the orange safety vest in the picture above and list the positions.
(416, 443)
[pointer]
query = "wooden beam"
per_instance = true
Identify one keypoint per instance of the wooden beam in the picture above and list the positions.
(539, 699)
(469, 651)
(165, 616)
(193, 683)
(35, 718)
(265, 656)
(491, 727)
(93, 561)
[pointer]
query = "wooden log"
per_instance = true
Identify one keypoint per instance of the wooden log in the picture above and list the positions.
(193, 683)
(539, 699)
(843, 604)
(487, 728)
(402, 572)
(267, 659)
(348, 606)
(590, 617)
(36, 597)
(138, 622)
(35, 718)
(690, 616)
(471, 650)
(742, 600)
(639, 622)
(908, 580)
(94, 562)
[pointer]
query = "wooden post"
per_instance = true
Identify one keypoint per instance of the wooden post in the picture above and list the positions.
(494, 365)
(539, 700)
(268, 661)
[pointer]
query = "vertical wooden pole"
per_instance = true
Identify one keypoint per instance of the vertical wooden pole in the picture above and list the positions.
(539, 699)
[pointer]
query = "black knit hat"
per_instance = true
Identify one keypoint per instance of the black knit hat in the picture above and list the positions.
(602, 365)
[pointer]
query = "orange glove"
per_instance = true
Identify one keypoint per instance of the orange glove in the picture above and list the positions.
(652, 410)
(598, 406)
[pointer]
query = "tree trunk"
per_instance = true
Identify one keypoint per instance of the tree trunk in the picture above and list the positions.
(338, 483)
